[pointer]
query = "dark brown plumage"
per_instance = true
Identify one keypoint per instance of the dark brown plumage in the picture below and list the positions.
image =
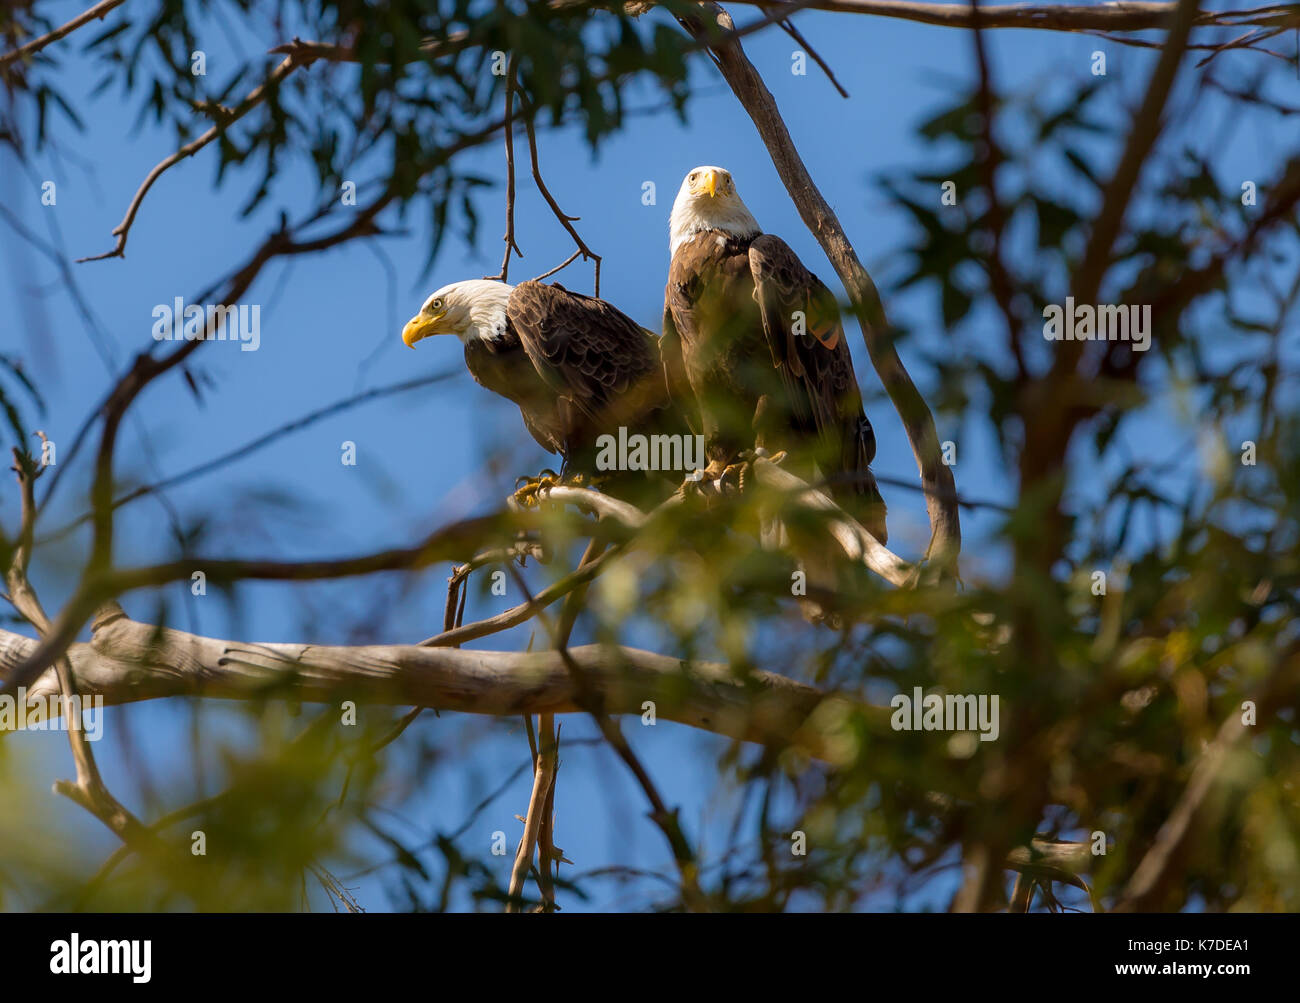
(602, 368)
(732, 311)
(577, 367)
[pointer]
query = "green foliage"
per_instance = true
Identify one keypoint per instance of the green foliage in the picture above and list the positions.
(385, 116)
(1109, 699)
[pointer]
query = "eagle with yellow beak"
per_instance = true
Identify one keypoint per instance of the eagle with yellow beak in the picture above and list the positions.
(753, 339)
(576, 366)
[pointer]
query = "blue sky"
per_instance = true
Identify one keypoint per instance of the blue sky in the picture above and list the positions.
(330, 326)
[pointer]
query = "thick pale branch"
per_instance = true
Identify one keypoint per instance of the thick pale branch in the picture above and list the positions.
(449, 543)
(859, 546)
(127, 661)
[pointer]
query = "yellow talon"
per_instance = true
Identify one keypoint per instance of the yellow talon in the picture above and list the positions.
(528, 493)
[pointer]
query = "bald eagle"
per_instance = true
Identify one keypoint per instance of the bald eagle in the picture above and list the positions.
(577, 367)
(755, 340)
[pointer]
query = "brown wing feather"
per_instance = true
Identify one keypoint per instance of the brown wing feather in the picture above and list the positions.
(501, 365)
(817, 370)
(587, 351)
(709, 304)
(676, 379)
(603, 368)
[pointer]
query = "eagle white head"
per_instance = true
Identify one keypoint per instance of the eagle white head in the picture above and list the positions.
(475, 308)
(708, 200)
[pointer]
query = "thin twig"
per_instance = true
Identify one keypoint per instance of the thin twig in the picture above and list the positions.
(248, 448)
(89, 789)
(560, 267)
(788, 27)
(254, 97)
(565, 220)
(667, 822)
(100, 10)
(511, 245)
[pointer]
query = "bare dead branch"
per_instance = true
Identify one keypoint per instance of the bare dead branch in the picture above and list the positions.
(544, 768)
(99, 10)
(1114, 16)
(127, 661)
(248, 448)
(590, 698)
(538, 824)
(511, 245)
(89, 789)
(560, 267)
(548, 854)
(254, 97)
(1213, 48)
(798, 38)
(566, 221)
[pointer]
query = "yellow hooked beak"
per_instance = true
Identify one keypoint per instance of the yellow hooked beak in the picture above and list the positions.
(708, 183)
(420, 326)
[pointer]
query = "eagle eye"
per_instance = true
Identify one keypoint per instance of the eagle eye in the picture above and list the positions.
(436, 305)
(694, 175)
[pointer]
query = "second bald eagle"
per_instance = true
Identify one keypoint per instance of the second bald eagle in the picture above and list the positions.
(577, 367)
(755, 340)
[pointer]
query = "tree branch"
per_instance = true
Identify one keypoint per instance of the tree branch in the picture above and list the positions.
(1122, 16)
(100, 10)
(590, 698)
(89, 789)
(566, 220)
(1158, 868)
(263, 440)
(511, 246)
(127, 661)
(254, 97)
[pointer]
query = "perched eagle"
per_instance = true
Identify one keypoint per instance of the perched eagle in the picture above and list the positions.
(576, 366)
(756, 341)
